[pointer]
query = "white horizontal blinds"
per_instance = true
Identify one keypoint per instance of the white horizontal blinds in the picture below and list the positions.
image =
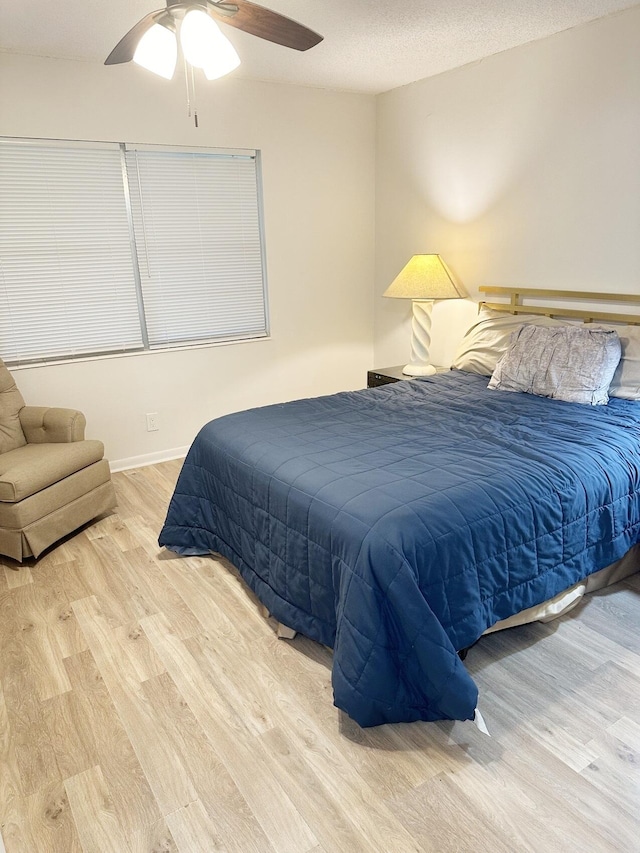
(66, 277)
(197, 226)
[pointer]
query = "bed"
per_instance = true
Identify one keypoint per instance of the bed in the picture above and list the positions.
(398, 524)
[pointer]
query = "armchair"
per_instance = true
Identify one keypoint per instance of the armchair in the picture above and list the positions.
(52, 480)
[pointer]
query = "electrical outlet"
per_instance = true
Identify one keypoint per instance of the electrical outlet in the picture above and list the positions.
(152, 421)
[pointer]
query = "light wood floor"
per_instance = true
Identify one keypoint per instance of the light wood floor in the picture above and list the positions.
(147, 707)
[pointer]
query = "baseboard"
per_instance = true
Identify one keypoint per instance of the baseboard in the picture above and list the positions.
(148, 459)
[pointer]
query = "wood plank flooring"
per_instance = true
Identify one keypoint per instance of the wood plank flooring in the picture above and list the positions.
(147, 707)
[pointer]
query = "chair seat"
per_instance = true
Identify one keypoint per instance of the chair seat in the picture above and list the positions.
(33, 467)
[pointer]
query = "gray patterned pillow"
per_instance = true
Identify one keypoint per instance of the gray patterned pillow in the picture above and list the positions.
(567, 363)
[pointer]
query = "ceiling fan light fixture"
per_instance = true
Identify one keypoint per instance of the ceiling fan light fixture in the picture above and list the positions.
(222, 60)
(157, 51)
(204, 45)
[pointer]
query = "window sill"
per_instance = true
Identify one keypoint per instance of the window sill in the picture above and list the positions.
(136, 353)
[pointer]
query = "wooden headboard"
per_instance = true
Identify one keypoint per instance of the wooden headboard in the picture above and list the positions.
(519, 298)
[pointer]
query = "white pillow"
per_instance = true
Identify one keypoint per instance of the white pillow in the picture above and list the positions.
(626, 379)
(570, 363)
(488, 338)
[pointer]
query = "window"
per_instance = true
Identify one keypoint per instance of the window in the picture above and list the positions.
(114, 248)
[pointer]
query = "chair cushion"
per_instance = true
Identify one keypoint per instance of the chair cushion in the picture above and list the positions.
(31, 468)
(17, 516)
(11, 401)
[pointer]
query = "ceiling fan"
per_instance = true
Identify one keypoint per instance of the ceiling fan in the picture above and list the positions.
(152, 42)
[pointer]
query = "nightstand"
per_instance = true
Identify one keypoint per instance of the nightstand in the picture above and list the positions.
(387, 375)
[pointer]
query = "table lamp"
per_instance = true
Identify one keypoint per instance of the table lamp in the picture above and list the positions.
(424, 279)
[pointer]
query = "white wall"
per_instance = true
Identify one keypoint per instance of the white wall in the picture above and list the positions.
(318, 179)
(521, 169)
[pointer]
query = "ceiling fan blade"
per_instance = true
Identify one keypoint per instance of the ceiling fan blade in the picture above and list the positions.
(126, 47)
(269, 25)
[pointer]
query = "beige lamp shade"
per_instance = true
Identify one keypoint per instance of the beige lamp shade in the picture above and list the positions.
(424, 277)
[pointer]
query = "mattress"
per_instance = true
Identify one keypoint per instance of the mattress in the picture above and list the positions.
(398, 524)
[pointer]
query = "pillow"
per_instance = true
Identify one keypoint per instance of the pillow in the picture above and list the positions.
(568, 363)
(626, 379)
(488, 338)
(11, 435)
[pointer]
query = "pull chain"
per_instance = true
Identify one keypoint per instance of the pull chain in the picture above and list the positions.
(190, 82)
(193, 89)
(186, 80)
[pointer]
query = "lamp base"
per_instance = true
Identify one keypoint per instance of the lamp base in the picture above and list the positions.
(419, 370)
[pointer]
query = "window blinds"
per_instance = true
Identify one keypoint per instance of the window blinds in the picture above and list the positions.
(107, 247)
(197, 228)
(66, 278)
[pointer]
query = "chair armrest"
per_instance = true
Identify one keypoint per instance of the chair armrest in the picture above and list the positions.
(43, 425)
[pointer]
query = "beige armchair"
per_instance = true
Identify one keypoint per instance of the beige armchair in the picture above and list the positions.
(52, 480)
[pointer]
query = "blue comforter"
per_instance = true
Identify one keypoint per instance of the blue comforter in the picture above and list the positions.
(396, 524)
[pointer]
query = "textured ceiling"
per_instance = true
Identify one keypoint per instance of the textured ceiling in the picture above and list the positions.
(369, 45)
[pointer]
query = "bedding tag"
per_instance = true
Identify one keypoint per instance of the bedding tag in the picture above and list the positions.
(478, 719)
